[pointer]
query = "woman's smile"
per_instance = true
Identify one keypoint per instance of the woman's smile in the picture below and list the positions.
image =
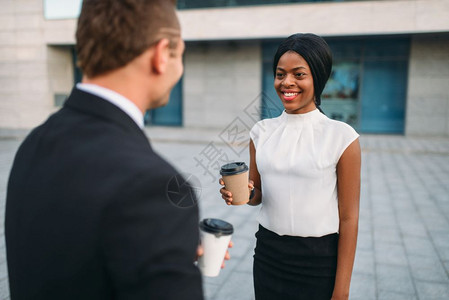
(289, 95)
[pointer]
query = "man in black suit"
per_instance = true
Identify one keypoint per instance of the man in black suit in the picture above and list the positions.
(87, 213)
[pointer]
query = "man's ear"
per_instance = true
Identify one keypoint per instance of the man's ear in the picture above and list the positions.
(161, 55)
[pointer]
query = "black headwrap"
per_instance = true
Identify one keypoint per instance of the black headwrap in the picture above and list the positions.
(316, 53)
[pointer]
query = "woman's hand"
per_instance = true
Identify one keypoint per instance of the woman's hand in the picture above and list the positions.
(251, 190)
(227, 195)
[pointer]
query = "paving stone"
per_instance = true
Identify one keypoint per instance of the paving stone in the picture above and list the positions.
(2, 254)
(420, 261)
(445, 207)
(365, 241)
(446, 266)
(246, 263)
(213, 284)
(436, 221)
(238, 286)
(387, 235)
(419, 246)
(390, 254)
(247, 229)
(388, 295)
(443, 252)
(428, 268)
(394, 279)
(403, 244)
(364, 262)
(4, 289)
(241, 246)
(412, 229)
(432, 290)
(3, 270)
(403, 205)
(210, 288)
(363, 287)
(440, 238)
(382, 219)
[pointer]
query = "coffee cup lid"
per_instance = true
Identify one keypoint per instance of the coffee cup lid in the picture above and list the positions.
(217, 227)
(233, 168)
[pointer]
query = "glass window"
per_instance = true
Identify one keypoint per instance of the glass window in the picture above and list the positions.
(367, 86)
(386, 49)
(340, 97)
(171, 113)
(77, 73)
(62, 9)
(186, 4)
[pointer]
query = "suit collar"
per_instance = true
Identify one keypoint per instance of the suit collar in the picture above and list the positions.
(126, 105)
(99, 107)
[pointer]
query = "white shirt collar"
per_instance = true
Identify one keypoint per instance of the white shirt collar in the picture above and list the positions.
(115, 98)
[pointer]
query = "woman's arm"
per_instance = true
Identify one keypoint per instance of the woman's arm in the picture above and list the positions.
(348, 184)
(254, 176)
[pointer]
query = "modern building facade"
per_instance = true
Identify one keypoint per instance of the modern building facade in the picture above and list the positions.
(390, 73)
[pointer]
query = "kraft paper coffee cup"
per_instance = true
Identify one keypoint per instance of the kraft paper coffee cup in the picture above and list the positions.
(235, 177)
(215, 237)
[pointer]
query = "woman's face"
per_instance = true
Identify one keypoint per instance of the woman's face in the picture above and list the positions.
(294, 84)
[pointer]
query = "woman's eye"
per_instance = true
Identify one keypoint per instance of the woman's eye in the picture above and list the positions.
(299, 74)
(279, 75)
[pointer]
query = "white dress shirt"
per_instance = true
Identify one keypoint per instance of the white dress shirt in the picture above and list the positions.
(297, 156)
(115, 98)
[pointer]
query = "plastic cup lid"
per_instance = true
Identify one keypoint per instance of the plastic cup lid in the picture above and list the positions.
(216, 226)
(234, 168)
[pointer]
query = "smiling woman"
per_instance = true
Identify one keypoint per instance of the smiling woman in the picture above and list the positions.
(308, 167)
(306, 176)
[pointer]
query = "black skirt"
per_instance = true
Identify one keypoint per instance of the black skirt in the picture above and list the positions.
(290, 267)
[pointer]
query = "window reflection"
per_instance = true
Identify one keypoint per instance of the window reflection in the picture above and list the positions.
(341, 94)
(62, 9)
(188, 4)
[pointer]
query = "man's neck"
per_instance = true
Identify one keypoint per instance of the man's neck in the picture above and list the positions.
(122, 85)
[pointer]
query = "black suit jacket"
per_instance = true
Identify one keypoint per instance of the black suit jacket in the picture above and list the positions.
(87, 212)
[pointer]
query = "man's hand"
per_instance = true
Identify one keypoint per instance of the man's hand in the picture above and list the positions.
(200, 252)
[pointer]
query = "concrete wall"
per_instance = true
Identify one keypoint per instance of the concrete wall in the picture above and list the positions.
(428, 87)
(24, 100)
(328, 19)
(277, 21)
(60, 70)
(221, 79)
(30, 71)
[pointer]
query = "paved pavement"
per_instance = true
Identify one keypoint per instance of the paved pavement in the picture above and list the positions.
(403, 248)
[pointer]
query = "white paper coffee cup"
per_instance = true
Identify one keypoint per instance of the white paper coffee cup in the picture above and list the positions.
(235, 177)
(215, 237)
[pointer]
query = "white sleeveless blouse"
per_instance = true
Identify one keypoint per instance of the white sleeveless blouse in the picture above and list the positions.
(296, 156)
